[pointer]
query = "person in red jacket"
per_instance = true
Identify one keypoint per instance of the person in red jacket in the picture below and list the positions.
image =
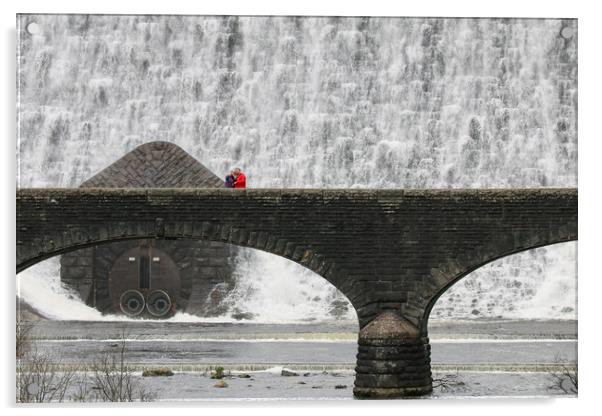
(240, 181)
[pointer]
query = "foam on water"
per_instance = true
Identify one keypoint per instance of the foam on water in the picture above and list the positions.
(280, 299)
(40, 287)
(275, 290)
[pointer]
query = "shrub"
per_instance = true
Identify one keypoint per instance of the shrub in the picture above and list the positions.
(157, 372)
(114, 381)
(218, 373)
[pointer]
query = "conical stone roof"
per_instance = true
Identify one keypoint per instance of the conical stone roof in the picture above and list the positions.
(155, 165)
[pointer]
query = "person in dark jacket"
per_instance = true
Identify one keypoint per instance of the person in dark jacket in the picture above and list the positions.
(241, 179)
(230, 179)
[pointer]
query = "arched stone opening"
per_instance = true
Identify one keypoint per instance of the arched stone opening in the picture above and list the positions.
(211, 232)
(305, 258)
(537, 243)
(515, 277)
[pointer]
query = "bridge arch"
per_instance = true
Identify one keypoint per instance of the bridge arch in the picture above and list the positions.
(475, 260)
(303, 255)
(392, 253)
(317, 298)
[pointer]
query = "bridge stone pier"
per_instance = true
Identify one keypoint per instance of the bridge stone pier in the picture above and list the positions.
(391, 252)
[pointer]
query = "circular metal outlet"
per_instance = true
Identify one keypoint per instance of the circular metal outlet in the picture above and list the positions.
(131, 302)
(158, 303)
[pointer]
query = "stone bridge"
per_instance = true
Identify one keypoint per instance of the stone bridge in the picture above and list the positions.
(391, 252)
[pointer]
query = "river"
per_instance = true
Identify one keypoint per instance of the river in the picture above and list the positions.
(510, 358)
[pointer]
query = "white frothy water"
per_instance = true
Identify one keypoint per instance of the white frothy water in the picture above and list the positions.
(283, 291)
(313, 102)
(536, 284)
(40, 287)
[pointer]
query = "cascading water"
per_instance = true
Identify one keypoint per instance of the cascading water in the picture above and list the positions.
(316, 103)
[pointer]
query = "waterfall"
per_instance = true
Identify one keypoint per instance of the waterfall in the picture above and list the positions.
(317, 102)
